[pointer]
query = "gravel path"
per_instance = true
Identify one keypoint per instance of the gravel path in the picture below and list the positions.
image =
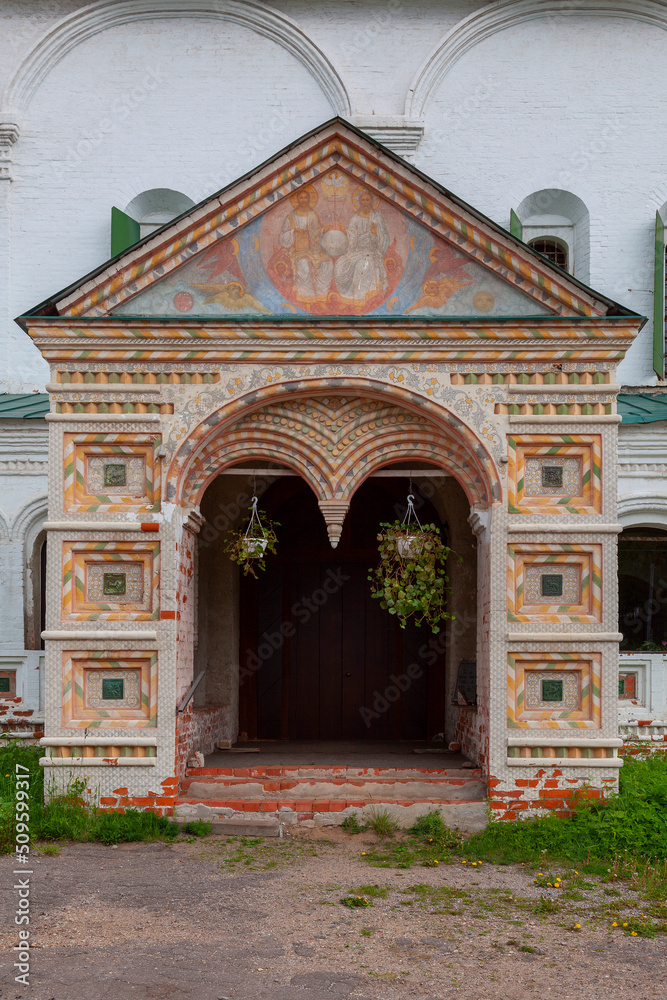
(212, 919)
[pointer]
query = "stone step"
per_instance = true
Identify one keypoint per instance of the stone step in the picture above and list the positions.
(244, 827)
(469, 816)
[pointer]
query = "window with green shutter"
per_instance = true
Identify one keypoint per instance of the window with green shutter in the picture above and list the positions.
(125, 231)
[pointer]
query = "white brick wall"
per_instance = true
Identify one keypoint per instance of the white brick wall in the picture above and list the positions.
(187, 103)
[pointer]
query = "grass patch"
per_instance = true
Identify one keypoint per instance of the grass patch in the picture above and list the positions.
(257, 854)
(429, 843)
(197, 828)
(374, 891)
(67, 816)
(635, 821)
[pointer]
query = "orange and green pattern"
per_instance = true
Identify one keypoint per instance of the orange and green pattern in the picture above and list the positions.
(586, 449)
(588, 667)
(76, 714)
(587, 558)
(78, 449)
(79, 556)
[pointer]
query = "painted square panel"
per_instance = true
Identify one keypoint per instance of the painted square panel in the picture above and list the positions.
(111, 581)
(111, 472)
(553, 690)
(554, 474)
(554, 583)
(109, 689)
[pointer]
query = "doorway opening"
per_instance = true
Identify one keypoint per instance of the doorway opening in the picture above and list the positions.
(323, 659)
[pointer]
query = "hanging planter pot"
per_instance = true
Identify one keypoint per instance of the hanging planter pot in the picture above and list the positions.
(409, 546)
(248, 546)
(254, 547)
(410, 580)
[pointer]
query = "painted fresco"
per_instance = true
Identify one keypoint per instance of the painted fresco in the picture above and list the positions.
(334, 248)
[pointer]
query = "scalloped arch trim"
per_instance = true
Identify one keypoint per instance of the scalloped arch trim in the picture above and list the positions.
(334, 432)
(89, 21)
(482, 24)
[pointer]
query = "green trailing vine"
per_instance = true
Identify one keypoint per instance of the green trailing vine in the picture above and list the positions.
(249, 545)
(410, 579)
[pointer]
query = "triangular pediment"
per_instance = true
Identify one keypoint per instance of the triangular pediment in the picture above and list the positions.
(336, 225)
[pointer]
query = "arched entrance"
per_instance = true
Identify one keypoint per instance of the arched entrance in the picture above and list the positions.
(320, 659)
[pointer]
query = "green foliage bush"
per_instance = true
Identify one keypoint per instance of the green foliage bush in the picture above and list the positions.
(412, 586)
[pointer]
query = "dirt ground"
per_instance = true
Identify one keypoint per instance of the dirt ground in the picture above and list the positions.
(213, 919)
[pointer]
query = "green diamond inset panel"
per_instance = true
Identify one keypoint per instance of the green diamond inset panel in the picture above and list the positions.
(114, 583)
(115, 474)
(552, 585)
(113, 689)
(552, 690)
(552, 475)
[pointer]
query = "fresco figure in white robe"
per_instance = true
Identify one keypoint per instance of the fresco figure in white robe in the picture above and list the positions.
(361, 273)
(312, 269)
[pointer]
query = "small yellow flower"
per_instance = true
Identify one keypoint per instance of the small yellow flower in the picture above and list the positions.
(614, 924)
(625, 925)
(464, 862)
(548, 883)
(633, 933)
(577, 927)
(576, 873)
(435, 861)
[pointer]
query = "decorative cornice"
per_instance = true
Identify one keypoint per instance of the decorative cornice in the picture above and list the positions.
(499, 16)
(9, 133)
(642, 509)
(400, 134)
(194, 522)
(479, 521)
(89, 21)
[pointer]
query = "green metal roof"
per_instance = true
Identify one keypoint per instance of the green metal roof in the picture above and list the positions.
(23, 405)
(642, 409)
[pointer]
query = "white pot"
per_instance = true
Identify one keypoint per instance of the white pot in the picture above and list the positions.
(255, 547)
(410, 546)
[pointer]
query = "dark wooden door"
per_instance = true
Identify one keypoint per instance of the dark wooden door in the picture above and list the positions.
(320, 658)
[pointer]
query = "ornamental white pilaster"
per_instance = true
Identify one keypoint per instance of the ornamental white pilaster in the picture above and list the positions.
(9, 133)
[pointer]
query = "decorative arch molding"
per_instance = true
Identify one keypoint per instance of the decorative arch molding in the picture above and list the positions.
(29, 518)
(643, 510)
(4, 526)
(334, 433)
(488, 21)
(89, 21)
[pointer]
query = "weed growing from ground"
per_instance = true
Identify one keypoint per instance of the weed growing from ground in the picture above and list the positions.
(352, 825)
(381, 823)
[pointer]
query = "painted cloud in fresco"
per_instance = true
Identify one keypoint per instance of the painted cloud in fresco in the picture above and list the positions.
(334, 248)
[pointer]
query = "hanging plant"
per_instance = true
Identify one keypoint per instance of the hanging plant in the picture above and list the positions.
(410, 579)
(256, 537)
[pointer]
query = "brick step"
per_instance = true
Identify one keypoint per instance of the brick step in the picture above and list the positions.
(331, 771)
(279, 784)
(413, 789)
(311, 806)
